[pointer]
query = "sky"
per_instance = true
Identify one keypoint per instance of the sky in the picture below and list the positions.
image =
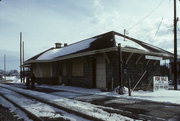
(45, 22)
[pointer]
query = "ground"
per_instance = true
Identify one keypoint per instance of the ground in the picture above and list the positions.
(7, 115)
(158, 105)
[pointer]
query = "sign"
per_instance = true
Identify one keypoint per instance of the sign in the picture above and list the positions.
(153, 57)
(160, 82)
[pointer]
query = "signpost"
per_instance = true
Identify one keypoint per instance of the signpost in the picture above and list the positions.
(153, 57)
(160, 82)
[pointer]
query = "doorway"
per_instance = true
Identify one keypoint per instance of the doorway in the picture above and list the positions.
(100, 72)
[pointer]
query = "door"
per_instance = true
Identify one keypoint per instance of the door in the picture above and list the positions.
(100, 72)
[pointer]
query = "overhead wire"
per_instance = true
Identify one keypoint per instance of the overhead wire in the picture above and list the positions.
(158, 28)
(146, 16)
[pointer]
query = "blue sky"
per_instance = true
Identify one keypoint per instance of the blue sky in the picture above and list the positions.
(45, 22)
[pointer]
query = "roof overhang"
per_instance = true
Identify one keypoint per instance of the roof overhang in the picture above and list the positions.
(129, 50)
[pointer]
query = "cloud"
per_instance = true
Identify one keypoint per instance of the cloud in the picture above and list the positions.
(45, 22)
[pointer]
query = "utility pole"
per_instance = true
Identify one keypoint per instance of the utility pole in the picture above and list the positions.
(4, 66)
(175, 47)
(120, 69)
(23, 60)
(21, 56)
(124, 33)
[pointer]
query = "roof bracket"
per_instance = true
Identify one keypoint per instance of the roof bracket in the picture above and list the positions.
(106, 57)
(147, 62)
(130, 55)
(139, 58)
(155, 62)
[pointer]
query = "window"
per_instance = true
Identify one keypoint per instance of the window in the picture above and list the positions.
(77, 68)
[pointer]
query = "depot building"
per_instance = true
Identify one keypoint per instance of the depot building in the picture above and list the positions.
(103, 62)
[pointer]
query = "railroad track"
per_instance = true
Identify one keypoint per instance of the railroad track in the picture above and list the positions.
(28, 113)
(55, 113)
(110, 110)
(80, 114)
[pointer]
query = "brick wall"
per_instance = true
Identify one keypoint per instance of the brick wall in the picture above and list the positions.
(134, 71)
(112, 75)
(82, 81)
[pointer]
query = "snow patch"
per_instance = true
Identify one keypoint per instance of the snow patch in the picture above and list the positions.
(169, 96)
(128, 43)
(14, 79)
(78, 106)
(12, 108)
(51, 54)
(37, 108)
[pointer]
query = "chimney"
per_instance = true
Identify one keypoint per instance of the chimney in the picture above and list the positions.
(58, 45)
(65, 44)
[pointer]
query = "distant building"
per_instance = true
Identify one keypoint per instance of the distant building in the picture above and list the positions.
(94, 63)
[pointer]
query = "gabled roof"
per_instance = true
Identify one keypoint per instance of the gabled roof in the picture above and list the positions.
(142, 45)
(101, 43)
(94, 43)
(38, 55)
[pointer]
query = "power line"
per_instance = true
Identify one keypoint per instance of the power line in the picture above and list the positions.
(158, 28)
(146, 15)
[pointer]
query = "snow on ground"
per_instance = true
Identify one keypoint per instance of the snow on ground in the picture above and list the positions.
(169, 96)
(67, 94)
(37, 108)
(78, 106)
(72, 89)
(12, 108)
(13, 79)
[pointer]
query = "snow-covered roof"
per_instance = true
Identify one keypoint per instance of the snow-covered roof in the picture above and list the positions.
(137, 44)
(128, 43)
(104, 41)
(73, 48)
